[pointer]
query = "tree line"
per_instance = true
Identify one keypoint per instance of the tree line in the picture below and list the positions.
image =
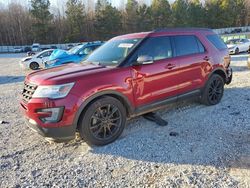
(88, 20)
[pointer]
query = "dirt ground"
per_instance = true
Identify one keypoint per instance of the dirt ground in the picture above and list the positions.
(210, 147)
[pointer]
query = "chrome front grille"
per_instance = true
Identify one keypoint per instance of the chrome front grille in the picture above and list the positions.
(28, 91)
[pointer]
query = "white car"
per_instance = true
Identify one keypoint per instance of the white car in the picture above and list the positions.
(37, 61)
(236, 46)
(17, 49)
(35, 47)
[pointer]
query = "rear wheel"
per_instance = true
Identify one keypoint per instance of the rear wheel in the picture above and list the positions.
(214, 89)
(34, 65)
(103, 121)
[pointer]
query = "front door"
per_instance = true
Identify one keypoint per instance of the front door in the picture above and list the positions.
(159, 80)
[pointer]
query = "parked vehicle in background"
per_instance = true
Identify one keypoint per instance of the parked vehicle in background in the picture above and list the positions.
(74, 55)
(18, 49)
(36, 61)
(69, 46)
(27, 49)
(35, 47)
(128, 76)
(30, 53)
(236, 46)
(53, 47)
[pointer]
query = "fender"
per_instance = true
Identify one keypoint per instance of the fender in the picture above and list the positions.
(86, 102)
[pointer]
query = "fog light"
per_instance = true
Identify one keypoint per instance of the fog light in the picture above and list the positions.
(33, 122)
(50, 115)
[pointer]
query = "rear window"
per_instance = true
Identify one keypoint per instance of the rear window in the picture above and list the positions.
(217, 42)
(186, 45)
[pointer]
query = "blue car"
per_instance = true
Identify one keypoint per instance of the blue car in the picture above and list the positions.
(74, 55)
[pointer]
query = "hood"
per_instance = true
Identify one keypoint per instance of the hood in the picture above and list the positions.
(231, 45)
(59, 54)
(27, 58)
(63, 74)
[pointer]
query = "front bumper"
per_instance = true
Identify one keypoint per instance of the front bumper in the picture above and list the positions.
(23, 65)
(59, 134)
(62, 130)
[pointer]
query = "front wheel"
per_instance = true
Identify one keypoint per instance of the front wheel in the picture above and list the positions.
(34, 66)
(237, 51)
(213, 91)
(103, 121)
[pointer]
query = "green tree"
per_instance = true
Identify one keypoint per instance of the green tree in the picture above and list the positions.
(108, 21)
(75, 19)
(161, 14)
(144, 18)
(196, 14)
(180, 13)
(131, 16)
(41, 19)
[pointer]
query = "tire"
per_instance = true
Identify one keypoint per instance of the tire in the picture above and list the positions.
(103, 121)
(34, 66)
(237, 51)
(213, 91)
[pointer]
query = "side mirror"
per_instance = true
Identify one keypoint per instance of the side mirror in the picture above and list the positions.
(144, 60)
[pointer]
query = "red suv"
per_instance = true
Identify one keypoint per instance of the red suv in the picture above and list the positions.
(130, 75)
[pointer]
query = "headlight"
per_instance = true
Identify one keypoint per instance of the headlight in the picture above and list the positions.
(53, 91)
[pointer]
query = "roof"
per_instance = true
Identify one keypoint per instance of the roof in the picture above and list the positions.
(162, 30)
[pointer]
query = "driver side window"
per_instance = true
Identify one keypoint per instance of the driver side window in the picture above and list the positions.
(156, 47)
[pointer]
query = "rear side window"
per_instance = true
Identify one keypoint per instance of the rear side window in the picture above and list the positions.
(217, 42)
(186, 45)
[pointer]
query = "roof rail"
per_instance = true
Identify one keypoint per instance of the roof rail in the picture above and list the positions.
(182, 29)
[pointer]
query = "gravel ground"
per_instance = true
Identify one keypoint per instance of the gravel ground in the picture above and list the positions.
(210, 146)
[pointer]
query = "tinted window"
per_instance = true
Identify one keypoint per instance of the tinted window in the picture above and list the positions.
(200, 45)
(217, 42)
(156, 47)
(186, 45)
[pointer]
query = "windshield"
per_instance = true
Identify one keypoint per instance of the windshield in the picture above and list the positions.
(113, 52)
(75, 49)
(234, 41)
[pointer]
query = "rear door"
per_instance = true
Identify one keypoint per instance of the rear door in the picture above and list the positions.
(193, 59)
(159, 80)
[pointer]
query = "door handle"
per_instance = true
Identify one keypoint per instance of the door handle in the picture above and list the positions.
(170, 66)
(206, 58)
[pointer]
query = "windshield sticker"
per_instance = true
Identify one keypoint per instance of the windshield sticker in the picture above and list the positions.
(125, 45)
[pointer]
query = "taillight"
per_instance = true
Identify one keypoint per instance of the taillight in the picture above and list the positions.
(227, 61)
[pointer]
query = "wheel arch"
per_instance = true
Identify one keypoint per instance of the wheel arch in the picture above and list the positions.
(220, 72)
(117, 95)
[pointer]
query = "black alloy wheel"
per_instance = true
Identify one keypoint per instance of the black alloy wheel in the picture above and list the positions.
(213, 92)
(237, 51)
(34, 66)
(103, 121)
